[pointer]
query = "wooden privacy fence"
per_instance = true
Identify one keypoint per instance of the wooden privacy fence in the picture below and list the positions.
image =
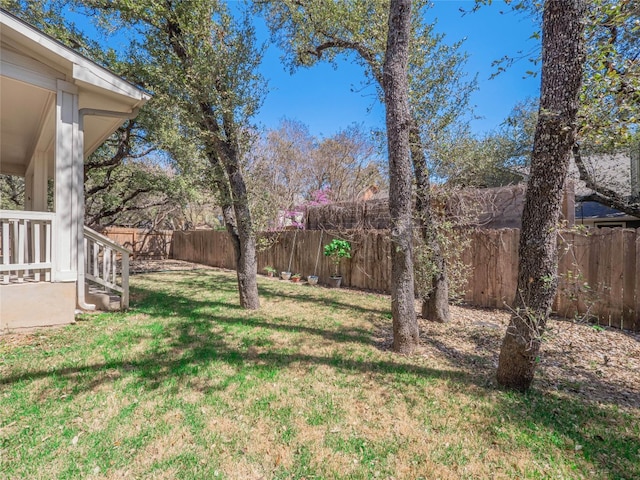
(143, 243)
(599, 271)
(368, 268)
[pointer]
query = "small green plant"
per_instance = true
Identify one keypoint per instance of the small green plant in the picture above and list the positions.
(547, 281)
(270, 270)
(296, 277)
(336, 251)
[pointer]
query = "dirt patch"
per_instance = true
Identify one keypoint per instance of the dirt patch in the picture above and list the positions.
(149, 266)
(15, 340)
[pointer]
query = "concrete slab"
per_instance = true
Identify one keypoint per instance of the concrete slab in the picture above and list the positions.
(36, 305)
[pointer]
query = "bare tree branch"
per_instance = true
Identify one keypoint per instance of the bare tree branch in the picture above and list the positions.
(603, 195)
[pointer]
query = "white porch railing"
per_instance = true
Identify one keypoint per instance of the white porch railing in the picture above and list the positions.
(101, 255)
(25, 246)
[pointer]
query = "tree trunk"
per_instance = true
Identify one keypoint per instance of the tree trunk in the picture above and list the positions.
(395, 85)
(229, 184)
(435, 306)
(223, 154)
(244, 248)
(562, 65)
(246, 259)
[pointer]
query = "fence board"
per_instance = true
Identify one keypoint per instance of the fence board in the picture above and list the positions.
(604, 275)
(581, 265)
(594, 278)
(563, 304)
(143, 243)
(493, 279)
(630, 278)
(481, 256)
(466, 258)
(515, 247)
(616, 252)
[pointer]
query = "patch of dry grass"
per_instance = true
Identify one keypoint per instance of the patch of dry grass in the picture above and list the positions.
(187, 385)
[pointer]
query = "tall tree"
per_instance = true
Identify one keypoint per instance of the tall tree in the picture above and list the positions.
(11, 192)
(563, 50)
(439, 96)
(347, 164)
(206, 62)
(290, 168)
(130, 178)
(315, 30)
(395, 83)
(311, 30)
(609, 114)
(608, 117)
(498, 158)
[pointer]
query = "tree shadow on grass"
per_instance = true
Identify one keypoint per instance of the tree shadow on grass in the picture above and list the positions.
(317, 296)
(202, 313)
(205, 280)
(194, 342)
(479, 365)
(270, 289)
(607, 438)
(193, 345)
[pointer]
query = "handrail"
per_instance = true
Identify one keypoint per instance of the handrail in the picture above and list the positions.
(26, 246)
(100, 263)
(27, 215)
(89, 232)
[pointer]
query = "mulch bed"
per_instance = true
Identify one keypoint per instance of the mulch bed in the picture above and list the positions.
(596, 364)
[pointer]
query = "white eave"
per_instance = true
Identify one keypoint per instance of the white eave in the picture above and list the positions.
(83, 70)
(34, 65)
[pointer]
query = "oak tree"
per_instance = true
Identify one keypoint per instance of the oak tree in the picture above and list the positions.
(313, 31)
(563, 49)
(205, 61)
(132, 178)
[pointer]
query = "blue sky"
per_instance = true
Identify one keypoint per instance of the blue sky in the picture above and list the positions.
(325, 100)
(328, 100)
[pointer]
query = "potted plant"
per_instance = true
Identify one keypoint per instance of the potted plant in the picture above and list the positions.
(285, 275)
(296, 277)
(336, 251)
(270, 271)
(312, 279)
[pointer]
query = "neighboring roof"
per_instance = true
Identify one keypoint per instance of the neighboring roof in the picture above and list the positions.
(597, 210)
(611, 171)
(33, 67)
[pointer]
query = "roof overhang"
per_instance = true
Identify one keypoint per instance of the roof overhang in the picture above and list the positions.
(32, 66)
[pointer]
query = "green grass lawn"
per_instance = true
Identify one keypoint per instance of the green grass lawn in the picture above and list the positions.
(187, 385)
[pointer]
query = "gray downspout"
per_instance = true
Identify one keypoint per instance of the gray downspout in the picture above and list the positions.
(99, 113)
